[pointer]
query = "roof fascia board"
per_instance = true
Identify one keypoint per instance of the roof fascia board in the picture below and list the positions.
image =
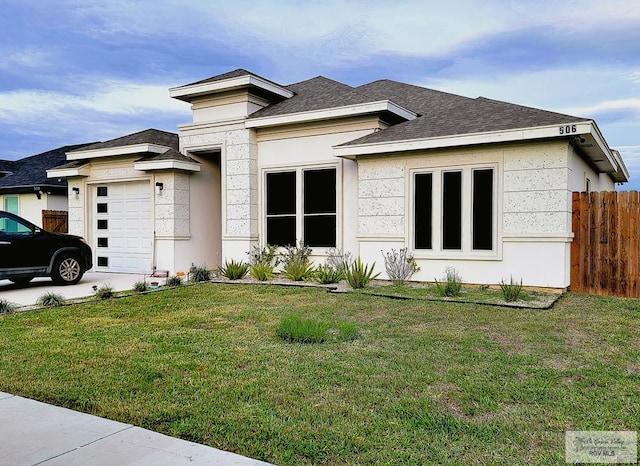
(166, 165)
(336, 112)
(114, 151)
(67, 172)
(194, 90)
(520, 134)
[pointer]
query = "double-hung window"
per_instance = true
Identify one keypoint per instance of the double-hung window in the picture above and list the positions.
(454, 210)
(301, 205)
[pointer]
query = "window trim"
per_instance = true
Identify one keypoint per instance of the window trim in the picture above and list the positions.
(466, 252)
(299, 215)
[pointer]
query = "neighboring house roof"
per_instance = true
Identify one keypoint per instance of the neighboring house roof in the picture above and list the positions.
(7, 166)
(148, 136)
(31, 172)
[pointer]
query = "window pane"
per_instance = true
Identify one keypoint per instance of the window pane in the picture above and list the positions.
(102, 208)
(281, 231)
(320, 191)
(452, 210)
(483, 209)
(320, 231)
(102, 225)
(423, 210)
(103, 242)
(11, 204)
(281, 193)
(102, 191)
(103, 261)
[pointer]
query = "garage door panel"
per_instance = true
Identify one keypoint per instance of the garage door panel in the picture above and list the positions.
(130, 228)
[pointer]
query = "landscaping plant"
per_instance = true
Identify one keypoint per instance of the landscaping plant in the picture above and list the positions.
(511, 291)
(200, 274)
(174, 281)
(262, 261)
(234, 270)
(326, 274)
(338, 260)
(141, 286)
(6, 307)
(295, 329)
(51, 299)
(104, 292)
(451, 285)
(296, 264)
(358, 275)
(400, 265)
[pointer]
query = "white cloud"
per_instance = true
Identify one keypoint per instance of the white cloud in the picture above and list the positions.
(622, 106)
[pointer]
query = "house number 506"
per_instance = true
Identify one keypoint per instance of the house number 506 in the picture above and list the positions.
(568, 129)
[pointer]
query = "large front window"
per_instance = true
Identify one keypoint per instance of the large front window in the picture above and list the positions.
(454, 210)
(301, 205)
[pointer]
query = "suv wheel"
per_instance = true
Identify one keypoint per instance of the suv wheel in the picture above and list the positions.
(67, 270)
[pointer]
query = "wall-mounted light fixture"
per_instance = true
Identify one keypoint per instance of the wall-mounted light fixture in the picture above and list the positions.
(159, 188)
(38, 191)
(76, 192)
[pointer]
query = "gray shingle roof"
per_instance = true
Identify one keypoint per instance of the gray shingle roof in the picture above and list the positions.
(32, 171)
(148, 136)
(443, 114)
(230, 75)
(171, 154)
(315, 94)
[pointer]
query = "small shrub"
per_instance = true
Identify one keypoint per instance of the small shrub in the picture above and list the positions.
(296, 263)
(51, 299)
(511, 291)
(399, 265)
(200, 273)
(326, 274)
(141, 286)
(261, 271)
(6, 307)
(234, 270)
(451, 285)
(338, 260)
(358, 275)
(293, 328)
(267, 255)
(104, 292)
(174, 281)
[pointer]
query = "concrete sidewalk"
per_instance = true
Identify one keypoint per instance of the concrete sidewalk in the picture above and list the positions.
(37, 433)
(28, 295)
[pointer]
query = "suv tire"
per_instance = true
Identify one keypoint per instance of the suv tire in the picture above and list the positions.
(67, 269)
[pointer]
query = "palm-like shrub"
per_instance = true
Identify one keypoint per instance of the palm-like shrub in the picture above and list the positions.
(358, 275)
(451, 286)
(296, 263)
(234, 270)
(51, 299)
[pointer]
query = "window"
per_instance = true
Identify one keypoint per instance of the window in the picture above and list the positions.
(454, 210)
(102, 191)
(314, 219)
(103, 242)
(13, 227)
(11, 204)
(103, 261)
(102, 224)
(102, 208)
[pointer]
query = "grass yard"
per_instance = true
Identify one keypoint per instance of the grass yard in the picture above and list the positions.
(423, 382)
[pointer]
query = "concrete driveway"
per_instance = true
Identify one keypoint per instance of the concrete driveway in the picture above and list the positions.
(29, 294)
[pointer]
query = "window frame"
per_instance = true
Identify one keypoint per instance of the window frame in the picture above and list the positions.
(299, 213)
(437, 245)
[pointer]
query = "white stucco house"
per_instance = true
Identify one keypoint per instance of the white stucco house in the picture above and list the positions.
(477, 184)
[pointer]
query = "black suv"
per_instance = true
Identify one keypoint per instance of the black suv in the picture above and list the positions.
(27, 251)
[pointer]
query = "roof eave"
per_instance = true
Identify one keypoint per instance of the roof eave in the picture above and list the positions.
(152, 165)
(116, 151)
(68, 172)
(332, 113)
(593, 145)
(189, 92)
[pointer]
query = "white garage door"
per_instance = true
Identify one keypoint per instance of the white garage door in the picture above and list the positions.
(123, 227)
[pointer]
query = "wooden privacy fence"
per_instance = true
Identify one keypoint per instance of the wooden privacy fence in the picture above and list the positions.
(605, 252)
(54, 221)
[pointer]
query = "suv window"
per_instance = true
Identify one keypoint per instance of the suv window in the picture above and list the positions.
(13, 227)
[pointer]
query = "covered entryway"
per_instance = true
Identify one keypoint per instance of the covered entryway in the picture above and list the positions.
(123, 227)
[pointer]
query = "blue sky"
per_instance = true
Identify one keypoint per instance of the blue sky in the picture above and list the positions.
(76, 71)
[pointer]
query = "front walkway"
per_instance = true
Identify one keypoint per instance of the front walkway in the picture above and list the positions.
(37, 433)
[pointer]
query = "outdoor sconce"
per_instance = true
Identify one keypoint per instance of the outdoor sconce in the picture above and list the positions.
(38, 191)
(76, 192)
(159, 188)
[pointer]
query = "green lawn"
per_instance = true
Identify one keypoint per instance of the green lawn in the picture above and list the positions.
(423, 382)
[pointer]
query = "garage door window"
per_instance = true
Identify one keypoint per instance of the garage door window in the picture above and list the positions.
(102, 208)
(102, 191)
(102, 224)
